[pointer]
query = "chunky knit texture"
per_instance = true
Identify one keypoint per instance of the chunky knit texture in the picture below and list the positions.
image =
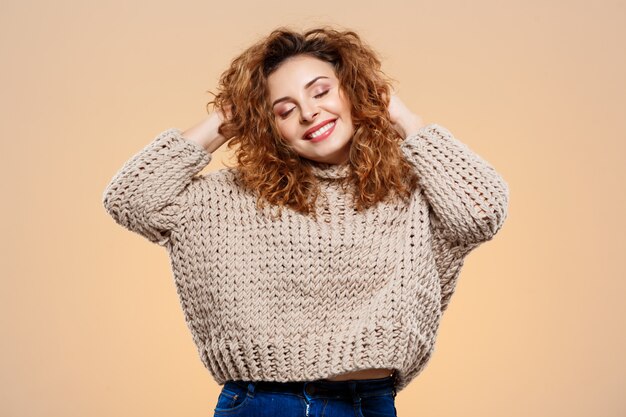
(297, 299)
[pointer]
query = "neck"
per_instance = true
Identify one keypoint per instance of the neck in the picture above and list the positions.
(330, 171)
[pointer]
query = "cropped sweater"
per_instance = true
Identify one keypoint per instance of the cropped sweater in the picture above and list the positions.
(297, 298)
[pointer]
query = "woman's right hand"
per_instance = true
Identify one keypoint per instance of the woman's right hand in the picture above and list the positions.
(206, 133)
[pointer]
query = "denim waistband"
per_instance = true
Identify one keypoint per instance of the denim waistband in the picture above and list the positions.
(324, 387)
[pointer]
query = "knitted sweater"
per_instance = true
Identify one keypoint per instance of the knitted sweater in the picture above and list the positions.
(297, 299)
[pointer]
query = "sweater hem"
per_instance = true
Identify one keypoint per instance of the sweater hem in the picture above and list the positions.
(285, 360)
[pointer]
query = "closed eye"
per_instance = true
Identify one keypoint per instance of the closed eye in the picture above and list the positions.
(321, 94)
(285, 114)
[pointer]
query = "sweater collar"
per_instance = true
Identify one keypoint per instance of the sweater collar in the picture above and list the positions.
(330, 171)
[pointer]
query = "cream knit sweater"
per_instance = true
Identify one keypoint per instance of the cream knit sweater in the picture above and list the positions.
(293, 299)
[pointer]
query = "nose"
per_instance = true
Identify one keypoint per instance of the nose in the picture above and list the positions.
(308, 114)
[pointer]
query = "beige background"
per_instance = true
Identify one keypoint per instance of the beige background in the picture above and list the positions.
(90, 321)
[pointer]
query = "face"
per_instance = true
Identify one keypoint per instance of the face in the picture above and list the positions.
(310, 110)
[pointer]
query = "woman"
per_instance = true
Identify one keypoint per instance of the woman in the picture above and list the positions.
(313, 275)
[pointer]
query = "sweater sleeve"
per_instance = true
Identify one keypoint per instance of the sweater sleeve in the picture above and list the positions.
(142, 196)
(449, 258)
(469, 199)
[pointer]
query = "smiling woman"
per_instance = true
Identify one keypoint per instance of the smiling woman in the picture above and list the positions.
(312, 109)
(292, 115)
(333, 306)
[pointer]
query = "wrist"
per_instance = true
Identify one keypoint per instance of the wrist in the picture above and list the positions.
(411, 124)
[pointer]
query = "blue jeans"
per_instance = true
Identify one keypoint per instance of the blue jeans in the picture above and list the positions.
(320, 398)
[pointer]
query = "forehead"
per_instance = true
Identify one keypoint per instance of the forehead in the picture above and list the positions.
(296, 71)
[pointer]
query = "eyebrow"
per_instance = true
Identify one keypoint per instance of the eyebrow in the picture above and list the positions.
(307, 85)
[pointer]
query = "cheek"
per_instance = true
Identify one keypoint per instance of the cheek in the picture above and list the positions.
(341, 106)
(287, 131)
(344, 102)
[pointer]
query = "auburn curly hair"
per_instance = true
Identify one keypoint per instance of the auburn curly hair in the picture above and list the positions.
(266, 163)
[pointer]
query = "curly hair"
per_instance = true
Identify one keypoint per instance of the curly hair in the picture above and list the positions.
(268, 165)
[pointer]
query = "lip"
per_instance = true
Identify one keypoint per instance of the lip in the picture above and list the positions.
(317, 126)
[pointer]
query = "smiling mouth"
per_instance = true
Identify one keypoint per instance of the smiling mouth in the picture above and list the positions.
(319, 132)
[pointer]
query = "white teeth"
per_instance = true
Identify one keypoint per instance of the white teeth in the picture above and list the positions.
(321, 130)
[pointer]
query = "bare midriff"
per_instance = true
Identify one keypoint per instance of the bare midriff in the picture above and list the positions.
(371, 373)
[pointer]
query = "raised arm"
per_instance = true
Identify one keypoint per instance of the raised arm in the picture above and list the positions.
(467, 197)
(146, 194)
(141, 196)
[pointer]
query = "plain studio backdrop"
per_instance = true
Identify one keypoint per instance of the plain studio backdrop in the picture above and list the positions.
(90, 320)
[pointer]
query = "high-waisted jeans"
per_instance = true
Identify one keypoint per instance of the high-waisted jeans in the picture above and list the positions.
(320, 398)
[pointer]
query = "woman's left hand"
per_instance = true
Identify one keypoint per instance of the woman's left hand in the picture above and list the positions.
(404, 120)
